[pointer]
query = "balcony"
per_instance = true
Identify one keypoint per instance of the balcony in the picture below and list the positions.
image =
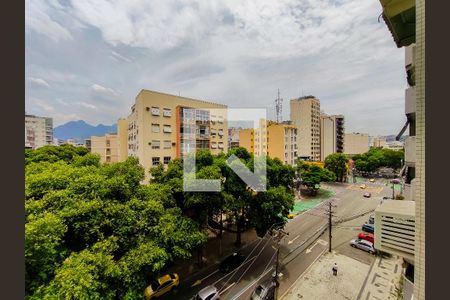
(395, 228)
(409, 56)
(410, 100)
(410, 151)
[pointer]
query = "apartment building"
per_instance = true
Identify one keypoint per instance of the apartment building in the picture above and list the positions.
(246, 139)
(233, 137)
(305, 115)
(122, 133)
(378, 142)
(162, 127)
(38, 131)
(106, 146)
(406, 21)
(331, 135)
(356, 143)
(277, 140)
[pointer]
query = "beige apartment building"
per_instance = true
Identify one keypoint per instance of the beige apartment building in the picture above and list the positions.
(106, 146)
(406, 21)
(378, 142)
(38, 131)
(356, 143)
(156, 133)
(331, 135)
(277, 140)
(246, 139)
(122, 135)
(305, 115)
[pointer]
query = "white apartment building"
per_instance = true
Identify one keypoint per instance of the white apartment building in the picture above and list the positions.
(38, 131)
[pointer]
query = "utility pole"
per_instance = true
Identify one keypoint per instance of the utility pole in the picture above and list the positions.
(330, 223)
(278, 236)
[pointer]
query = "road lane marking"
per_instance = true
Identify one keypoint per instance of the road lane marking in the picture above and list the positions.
(199, 281)
(322, 242)
(291, 241)
(220, 293)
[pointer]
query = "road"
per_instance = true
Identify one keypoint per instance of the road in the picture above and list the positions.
(298, 250)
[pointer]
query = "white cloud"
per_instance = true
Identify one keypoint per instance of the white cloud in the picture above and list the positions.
(39, 81)
(38, 19)
(101, 89)
(87, 105)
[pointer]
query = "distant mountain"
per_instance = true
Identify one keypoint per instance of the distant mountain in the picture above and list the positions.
(80, 130)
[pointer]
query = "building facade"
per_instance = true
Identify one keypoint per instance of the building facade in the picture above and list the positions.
(233, 137)
(162, 127)
(106, 146)
(38, 131)
(305, 115)
(356, 143)
(331, 135)
(277, 140)
(406, 21)
(122, 135)
(378, 142)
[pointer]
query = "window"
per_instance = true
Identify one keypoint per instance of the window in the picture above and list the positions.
(156, 144)
(167, 144)
(155, 111)
(155, 128)
(167, 112)
(166, 160)
(220, 145)
(213, 145)
(167, 129)
(155, 161)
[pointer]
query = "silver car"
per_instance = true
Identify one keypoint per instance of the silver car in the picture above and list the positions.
(264, 291)
(363, 245)
(208, 293)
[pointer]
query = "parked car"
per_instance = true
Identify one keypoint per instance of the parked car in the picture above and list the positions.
(372, 219)
(368, 228)
(208, 293)
(366, 236)
(161, 286)
(363, 245)
(231, 262)
(363, 186)
(264, 291)
(372, 180)
(367, 195)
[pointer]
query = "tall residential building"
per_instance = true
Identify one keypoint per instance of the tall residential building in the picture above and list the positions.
(331, 135)
(38, 131)
(406, 21)
(277, 140)
(247, 139)
(356, 143)
(122, 134)
(157, 133)
(378, 142)
(305, 115)
(107, 147)
(233, 137)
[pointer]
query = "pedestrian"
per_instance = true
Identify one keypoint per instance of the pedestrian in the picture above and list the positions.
(335, 269)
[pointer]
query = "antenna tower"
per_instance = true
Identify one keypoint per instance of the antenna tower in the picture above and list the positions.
(278, 107)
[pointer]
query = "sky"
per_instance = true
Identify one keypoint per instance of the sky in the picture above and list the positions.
(88, 59)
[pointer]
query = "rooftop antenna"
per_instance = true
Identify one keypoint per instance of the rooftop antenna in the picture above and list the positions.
(278, 106)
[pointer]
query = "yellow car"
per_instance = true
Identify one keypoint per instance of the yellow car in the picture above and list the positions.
(363, 186)
(372, 180)
(291, 216)
(161, 286)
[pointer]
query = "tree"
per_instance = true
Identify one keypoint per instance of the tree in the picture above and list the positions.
(337, 163)
(312, 176)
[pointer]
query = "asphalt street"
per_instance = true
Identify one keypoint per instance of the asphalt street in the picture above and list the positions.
(298, 250)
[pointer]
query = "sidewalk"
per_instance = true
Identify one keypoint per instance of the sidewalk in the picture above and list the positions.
(383, 279)
(188, 267)
(318, 282)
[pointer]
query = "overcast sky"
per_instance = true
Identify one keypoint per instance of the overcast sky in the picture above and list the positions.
(88, 59)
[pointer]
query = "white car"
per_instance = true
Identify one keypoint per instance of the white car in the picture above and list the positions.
(208, 293)
(363, 245)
